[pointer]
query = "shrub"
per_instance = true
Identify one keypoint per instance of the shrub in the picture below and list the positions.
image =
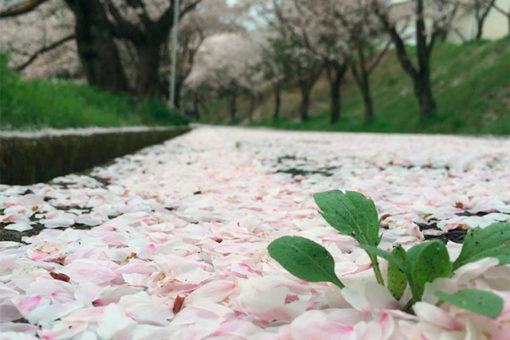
(34, 104)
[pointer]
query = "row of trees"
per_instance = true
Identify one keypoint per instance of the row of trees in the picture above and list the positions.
(122, 45)
(304, 39)
(145, 26)
(230, 49)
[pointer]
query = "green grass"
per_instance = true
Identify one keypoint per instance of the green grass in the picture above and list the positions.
(471, 84)
(34, 104)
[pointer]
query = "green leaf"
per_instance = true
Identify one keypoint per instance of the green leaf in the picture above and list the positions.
(390, 257)
(351, 214)
(491, 241)
(305, 259)
(479, 301)
(426, 262)
(397, 279)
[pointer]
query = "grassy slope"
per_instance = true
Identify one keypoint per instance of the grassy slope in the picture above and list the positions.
(44, 103)
(471, 83)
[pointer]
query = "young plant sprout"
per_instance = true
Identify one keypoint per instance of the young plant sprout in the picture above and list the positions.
(354, 215)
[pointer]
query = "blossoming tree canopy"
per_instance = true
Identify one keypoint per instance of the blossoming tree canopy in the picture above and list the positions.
(228, 62)
(140, 27)
(122, 45)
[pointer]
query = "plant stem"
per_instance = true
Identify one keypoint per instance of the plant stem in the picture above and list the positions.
(339, 284)
(377, 270)
(416, 295)
(409, 304)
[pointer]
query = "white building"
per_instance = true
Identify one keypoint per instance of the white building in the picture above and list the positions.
(496, 24)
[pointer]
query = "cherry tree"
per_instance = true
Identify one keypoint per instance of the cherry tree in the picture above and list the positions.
(481, 10)
(429, 22)
(227, 63)
(39, 42)
(277, 68)
(367, 44)
(477, 9)
(146, 25)
(100, 25)
(321, 33)
(213, 17)
(306, 65)
(341, 34)
(98, 53)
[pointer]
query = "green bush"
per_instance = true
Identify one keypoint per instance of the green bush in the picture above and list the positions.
(34, 104)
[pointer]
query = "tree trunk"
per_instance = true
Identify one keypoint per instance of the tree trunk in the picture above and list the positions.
(307, 77)
(196, 105)
(422, 85)
(423, 91)
(277, 100)
(445, 30)
(147, 75)
(335, 74)
(364, 88)
(420, 75)
(178, 89)
(481, 13)
(362, 78)
(96, 48)
(479, 29)
(305, 100)
(251, 107)
(233, 106)
(367, 102)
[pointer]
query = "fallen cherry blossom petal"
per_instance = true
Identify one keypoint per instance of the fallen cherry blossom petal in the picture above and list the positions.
(186, 225)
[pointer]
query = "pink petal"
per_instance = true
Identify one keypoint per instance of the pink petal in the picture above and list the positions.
(214, 291)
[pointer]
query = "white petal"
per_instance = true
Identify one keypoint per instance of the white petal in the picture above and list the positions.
(368, 296)
(435, 316)
(114, 320)
(214, 291)
(146, 309)
(18, 226)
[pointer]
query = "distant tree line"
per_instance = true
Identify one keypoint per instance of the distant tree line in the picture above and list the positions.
(227, 50)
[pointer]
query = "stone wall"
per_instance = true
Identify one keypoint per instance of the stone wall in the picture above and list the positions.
(27, 158)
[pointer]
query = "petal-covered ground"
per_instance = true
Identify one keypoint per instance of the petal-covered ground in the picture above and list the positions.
(170, 242)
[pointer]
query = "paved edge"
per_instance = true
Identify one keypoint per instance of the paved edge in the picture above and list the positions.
(27, 159)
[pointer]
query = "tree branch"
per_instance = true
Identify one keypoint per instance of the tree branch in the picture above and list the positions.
(422, 48)
(402, 55)
(189, 8)
(121, 28)
(459, 33)
(165, 22)
(434, 35)
(43, 50)
(487, 10)
(355, 73)
(379, 57)
(21, 8)
(500, 10)
(144, 18)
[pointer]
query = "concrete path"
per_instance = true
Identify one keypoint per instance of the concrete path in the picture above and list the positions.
(170, 242)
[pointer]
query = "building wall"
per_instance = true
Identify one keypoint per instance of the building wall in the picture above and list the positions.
(499, 23)
(496, 25)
